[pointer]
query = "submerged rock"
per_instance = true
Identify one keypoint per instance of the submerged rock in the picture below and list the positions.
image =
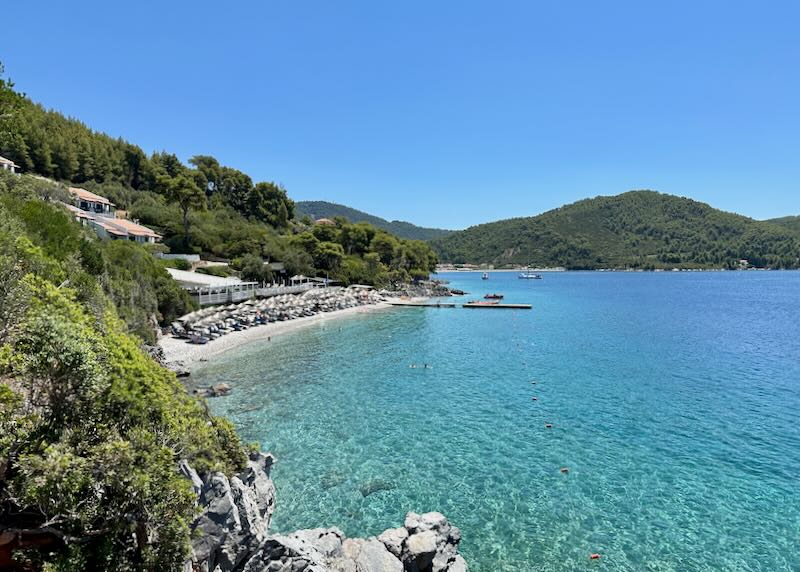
(374, 486)
(217, 390)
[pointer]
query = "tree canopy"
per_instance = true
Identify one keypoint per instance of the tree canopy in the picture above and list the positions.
(201, 207)
(638, 229)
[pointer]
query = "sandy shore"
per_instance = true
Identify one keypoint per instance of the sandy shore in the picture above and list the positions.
(179, 351)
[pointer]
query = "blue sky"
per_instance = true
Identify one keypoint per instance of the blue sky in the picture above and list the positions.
(441, 113)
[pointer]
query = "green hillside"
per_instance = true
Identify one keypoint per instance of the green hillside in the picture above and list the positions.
(788, 222)
(638, 229)
(324, 209)
(203, 207)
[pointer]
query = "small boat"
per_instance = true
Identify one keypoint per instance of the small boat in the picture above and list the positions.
(493, 297)
(530, 276)
(485, 276)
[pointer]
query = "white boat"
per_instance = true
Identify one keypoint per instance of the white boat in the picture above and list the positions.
(485, 276)
(530, 276)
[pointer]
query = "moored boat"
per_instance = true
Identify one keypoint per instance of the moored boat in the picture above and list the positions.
(493, 297)
(485, 276)
(530, 276)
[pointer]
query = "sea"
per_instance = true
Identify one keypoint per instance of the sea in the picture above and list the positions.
(650, 418)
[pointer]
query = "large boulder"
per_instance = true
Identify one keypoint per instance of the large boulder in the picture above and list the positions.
(231, 534)
(235, 515)
(290, 553)
(430, 544)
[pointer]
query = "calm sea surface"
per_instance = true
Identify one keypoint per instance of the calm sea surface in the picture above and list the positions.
(674, 400)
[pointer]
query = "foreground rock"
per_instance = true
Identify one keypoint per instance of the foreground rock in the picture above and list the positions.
(231, 534)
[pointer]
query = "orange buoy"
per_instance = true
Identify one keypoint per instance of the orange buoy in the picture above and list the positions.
(595, 556)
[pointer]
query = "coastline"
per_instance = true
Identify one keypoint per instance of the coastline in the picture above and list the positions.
(180, 352)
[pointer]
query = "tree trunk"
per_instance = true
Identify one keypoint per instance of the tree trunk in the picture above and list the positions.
(186, 228)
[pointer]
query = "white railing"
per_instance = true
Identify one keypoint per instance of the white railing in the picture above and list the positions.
(278, 290)
(208, 299)
(232, 294)
(239, 295)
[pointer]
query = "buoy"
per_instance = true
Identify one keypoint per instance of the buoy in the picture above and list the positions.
(564, 469)
(595, 556)
(548, 425)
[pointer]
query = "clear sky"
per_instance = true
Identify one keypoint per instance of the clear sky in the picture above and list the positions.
(441, 113)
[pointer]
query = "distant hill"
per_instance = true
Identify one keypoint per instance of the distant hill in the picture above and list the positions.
(637, 229)
(789, 222)
(324, 209)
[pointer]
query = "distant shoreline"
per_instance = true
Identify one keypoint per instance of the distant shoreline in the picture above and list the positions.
(626, 270)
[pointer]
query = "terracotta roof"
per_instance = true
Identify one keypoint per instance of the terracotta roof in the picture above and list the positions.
(85, 195)
(131, 227)
(110, 229)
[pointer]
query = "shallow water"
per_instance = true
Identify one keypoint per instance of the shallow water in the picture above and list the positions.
(674, 400)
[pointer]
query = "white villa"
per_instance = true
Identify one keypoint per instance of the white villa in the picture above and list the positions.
(100, 214)
(8, 165)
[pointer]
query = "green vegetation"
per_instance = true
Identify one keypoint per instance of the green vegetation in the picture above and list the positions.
(791, 223)
(324, 209)
(203, 207)
(91, 428)
(638, 229)
(128, 274)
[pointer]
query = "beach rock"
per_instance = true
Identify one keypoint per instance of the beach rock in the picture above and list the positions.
(257, 477)
(393, 540)
(187, 471)
(220, 389)
(231, 534)
(220, 517)
(370, 555)
(421, 548)
(235, 516)
(288, 553)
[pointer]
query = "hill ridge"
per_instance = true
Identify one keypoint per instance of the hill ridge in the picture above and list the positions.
(634, 229)
(403, 229)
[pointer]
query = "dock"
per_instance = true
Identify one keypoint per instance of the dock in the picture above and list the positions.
(499, 306)
(465, 305)
(425, 304)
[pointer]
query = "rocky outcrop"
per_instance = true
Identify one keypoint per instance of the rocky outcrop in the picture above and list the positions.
(231, 534)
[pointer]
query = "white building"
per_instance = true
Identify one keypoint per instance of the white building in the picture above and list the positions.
(100, 214)
(9, 165)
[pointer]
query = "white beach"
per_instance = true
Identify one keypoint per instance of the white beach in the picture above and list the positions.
(179, 351)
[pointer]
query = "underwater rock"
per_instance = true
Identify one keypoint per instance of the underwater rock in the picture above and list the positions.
(374, 486)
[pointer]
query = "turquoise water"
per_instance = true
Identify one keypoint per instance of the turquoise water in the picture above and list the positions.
(674, 400)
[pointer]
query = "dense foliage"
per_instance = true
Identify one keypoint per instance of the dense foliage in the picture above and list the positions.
(791, 223)
(638, 229)
(91, 428)
(128, 274)
(203, 207)
(324, 209)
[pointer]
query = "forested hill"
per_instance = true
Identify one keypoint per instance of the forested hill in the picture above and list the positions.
(637, 229)
(203, 207)
(324, 209)
(789, 222)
